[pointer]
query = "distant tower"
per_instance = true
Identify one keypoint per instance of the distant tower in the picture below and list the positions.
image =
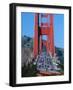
(43, 28)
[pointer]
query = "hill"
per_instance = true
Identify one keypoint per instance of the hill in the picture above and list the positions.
(27, 56)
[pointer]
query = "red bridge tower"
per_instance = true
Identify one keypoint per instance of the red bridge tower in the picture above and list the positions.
(43, 28)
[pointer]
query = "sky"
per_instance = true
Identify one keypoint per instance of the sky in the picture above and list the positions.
(27, 27)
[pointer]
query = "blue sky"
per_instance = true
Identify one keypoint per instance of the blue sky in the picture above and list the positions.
(27, 22)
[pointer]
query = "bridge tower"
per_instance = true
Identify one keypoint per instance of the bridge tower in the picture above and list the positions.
(43, 28)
